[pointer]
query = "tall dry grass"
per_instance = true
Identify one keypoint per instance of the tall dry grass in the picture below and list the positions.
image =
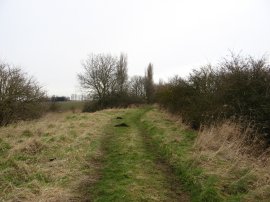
(239, 158)
(51, 158)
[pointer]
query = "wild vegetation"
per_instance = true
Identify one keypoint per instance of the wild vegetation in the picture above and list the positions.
(151, 155)
(238, 88)
(215, 164)
(65, 106)
(52, 158)
(21, 97)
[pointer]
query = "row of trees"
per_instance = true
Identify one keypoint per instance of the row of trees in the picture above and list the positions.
(238, 87)
(21, 97)
(105, 77)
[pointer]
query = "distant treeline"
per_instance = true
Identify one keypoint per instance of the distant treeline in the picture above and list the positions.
(59, 99)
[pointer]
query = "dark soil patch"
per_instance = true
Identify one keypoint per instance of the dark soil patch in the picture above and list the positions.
(121, 125)
(52, 159)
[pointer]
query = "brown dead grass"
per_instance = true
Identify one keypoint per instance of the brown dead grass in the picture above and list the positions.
(227, 151)
(49, 158)
(237, 157)
(31, 146)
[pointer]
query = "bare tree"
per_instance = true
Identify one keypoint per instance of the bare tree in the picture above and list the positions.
(20, 96)
(149, 83)
(122, 75)
(99, 75)
(137, 86)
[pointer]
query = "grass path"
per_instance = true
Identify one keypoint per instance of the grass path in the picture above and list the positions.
(83, 157)
(132, 171)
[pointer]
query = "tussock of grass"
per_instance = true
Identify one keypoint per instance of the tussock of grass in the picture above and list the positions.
(31, 146)
(27, 133)
(231, 139)
(4, 147)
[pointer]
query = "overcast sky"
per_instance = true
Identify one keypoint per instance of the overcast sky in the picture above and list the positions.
(50, 38)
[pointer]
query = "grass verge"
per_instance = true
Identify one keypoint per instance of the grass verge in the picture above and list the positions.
(215, 164)
(51, 158)
(175, 145)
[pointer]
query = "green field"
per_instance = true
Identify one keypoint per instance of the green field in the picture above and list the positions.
(135, 154)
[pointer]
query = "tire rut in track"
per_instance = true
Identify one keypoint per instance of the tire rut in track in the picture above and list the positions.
(131, 169)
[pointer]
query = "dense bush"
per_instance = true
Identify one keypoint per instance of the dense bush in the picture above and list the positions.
(237, 87)
(53, 107)
(21, 97)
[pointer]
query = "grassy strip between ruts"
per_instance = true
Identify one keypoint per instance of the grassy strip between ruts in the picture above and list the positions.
(131, 172)
(175, 145)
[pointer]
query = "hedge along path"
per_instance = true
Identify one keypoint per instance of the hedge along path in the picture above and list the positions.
(131, 169)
